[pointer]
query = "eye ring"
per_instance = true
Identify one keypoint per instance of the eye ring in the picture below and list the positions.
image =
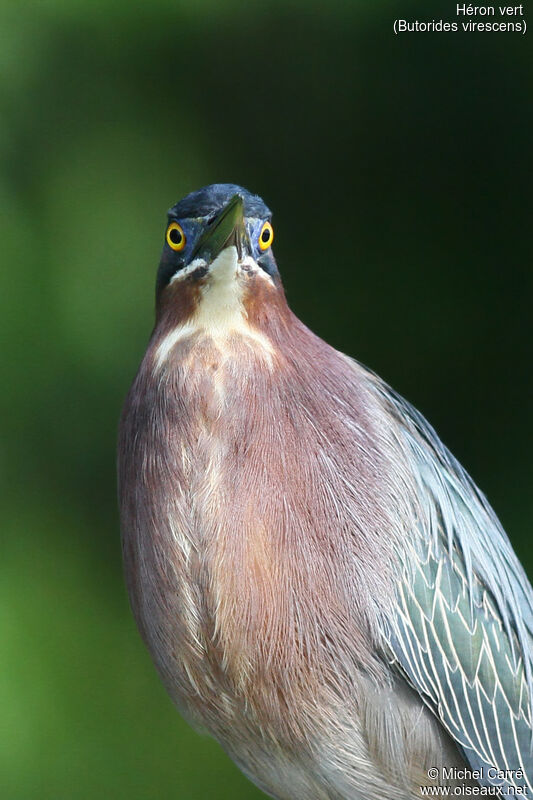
(176, 238)
(266, 237)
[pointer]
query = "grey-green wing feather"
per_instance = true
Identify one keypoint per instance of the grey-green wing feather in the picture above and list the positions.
(462, 633)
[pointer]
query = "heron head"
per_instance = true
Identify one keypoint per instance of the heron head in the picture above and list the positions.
(219, 230)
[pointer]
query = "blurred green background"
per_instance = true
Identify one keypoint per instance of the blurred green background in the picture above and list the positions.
(397, 168)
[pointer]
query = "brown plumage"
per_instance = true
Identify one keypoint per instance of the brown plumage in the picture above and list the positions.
(264, 498)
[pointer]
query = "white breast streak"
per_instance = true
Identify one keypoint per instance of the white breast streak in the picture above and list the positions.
(220, 313)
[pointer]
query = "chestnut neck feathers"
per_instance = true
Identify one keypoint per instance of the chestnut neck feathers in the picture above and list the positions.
(270, 457)
(219, 305)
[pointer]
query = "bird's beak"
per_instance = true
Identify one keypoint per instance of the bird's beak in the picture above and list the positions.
(227, 229)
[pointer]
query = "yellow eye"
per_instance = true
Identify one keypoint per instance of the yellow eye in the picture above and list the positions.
(176, 238)
(266, 237)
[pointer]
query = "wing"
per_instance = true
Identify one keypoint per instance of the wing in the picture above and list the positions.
(463, 631)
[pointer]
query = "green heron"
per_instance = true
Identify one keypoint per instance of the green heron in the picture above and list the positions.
(321, 585)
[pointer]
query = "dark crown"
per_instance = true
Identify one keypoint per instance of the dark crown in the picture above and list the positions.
(209, 199)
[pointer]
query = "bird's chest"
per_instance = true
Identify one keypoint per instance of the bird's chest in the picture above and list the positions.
(209, 525)
(240, 542)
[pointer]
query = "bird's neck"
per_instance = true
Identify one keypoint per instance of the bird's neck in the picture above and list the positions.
(235, 309)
